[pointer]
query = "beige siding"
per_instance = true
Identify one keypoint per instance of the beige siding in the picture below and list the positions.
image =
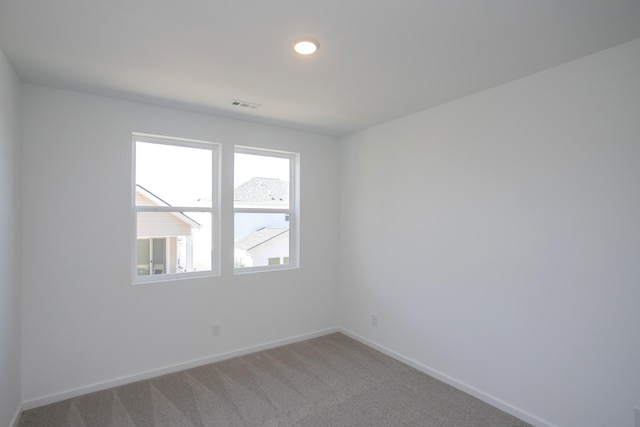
(161, 224)
(141, 200)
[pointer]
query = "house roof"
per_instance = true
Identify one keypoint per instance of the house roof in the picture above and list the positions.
(157, 201)
(258, 238)
(262, 190)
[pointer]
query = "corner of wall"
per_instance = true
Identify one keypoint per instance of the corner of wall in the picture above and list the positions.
(10, 291)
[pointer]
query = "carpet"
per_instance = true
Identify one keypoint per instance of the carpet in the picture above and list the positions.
(327, 381)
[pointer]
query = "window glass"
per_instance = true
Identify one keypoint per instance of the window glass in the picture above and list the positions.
(261, 181)
(260, 237)
(180, 241)
(179, 176)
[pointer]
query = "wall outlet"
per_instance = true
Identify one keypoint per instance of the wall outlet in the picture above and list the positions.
(374, 319)
(216, 330)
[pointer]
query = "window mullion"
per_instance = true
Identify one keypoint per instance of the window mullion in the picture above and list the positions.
(262, 210)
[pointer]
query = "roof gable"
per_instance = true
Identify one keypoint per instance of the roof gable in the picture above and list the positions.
(259, 237)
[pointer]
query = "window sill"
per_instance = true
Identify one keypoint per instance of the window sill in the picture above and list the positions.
(265, 269)
(175, 277)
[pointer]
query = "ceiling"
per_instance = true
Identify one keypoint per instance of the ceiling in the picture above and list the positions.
(378, 59)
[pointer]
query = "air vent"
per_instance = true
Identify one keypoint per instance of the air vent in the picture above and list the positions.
(245, 104)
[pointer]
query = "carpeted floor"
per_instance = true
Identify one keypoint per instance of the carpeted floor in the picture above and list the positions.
(327, 381)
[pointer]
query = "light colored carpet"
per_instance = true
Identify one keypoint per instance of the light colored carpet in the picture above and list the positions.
(328, 381)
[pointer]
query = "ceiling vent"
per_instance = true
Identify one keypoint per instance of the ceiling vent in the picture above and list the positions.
(245, 104)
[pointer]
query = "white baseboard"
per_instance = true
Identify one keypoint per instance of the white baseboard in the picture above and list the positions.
(16, 417)
(103, 385)
(487, 398)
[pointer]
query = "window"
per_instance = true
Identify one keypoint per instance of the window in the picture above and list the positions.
(265, 210)
(175, 208)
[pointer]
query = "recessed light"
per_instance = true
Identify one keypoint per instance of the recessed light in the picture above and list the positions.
(306, 46)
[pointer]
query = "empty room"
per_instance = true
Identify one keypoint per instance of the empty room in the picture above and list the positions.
(338, 213)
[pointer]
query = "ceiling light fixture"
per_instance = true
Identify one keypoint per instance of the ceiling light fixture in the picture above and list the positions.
(306, 46)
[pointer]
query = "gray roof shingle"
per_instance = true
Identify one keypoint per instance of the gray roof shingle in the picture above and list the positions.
(265, 190)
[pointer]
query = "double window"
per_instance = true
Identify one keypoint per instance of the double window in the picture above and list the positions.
(176, 209)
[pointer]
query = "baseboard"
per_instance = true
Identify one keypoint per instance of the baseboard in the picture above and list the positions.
(487, 398)
(103, 385)
(16, 416)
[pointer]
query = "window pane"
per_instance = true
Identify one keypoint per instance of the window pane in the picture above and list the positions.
(170, 175)
(261, 239)
(261, 181)
(143, 260)
(159, 249)
(173, 242)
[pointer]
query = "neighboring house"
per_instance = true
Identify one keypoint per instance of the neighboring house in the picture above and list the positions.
(261, 238)
(266, 246)
(262, 192)
(165, 239)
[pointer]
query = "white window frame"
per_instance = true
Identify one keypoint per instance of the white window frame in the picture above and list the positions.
(293, 211)
(214, 209)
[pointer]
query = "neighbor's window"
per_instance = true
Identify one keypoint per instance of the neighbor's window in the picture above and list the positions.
(175, 208)
(266, 217)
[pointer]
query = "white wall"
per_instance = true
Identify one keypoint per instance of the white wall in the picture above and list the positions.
(84, 323)
(10, 395)
(497, 238)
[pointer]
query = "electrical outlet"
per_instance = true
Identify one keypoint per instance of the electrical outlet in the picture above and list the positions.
(374, 319)
(216, 330)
